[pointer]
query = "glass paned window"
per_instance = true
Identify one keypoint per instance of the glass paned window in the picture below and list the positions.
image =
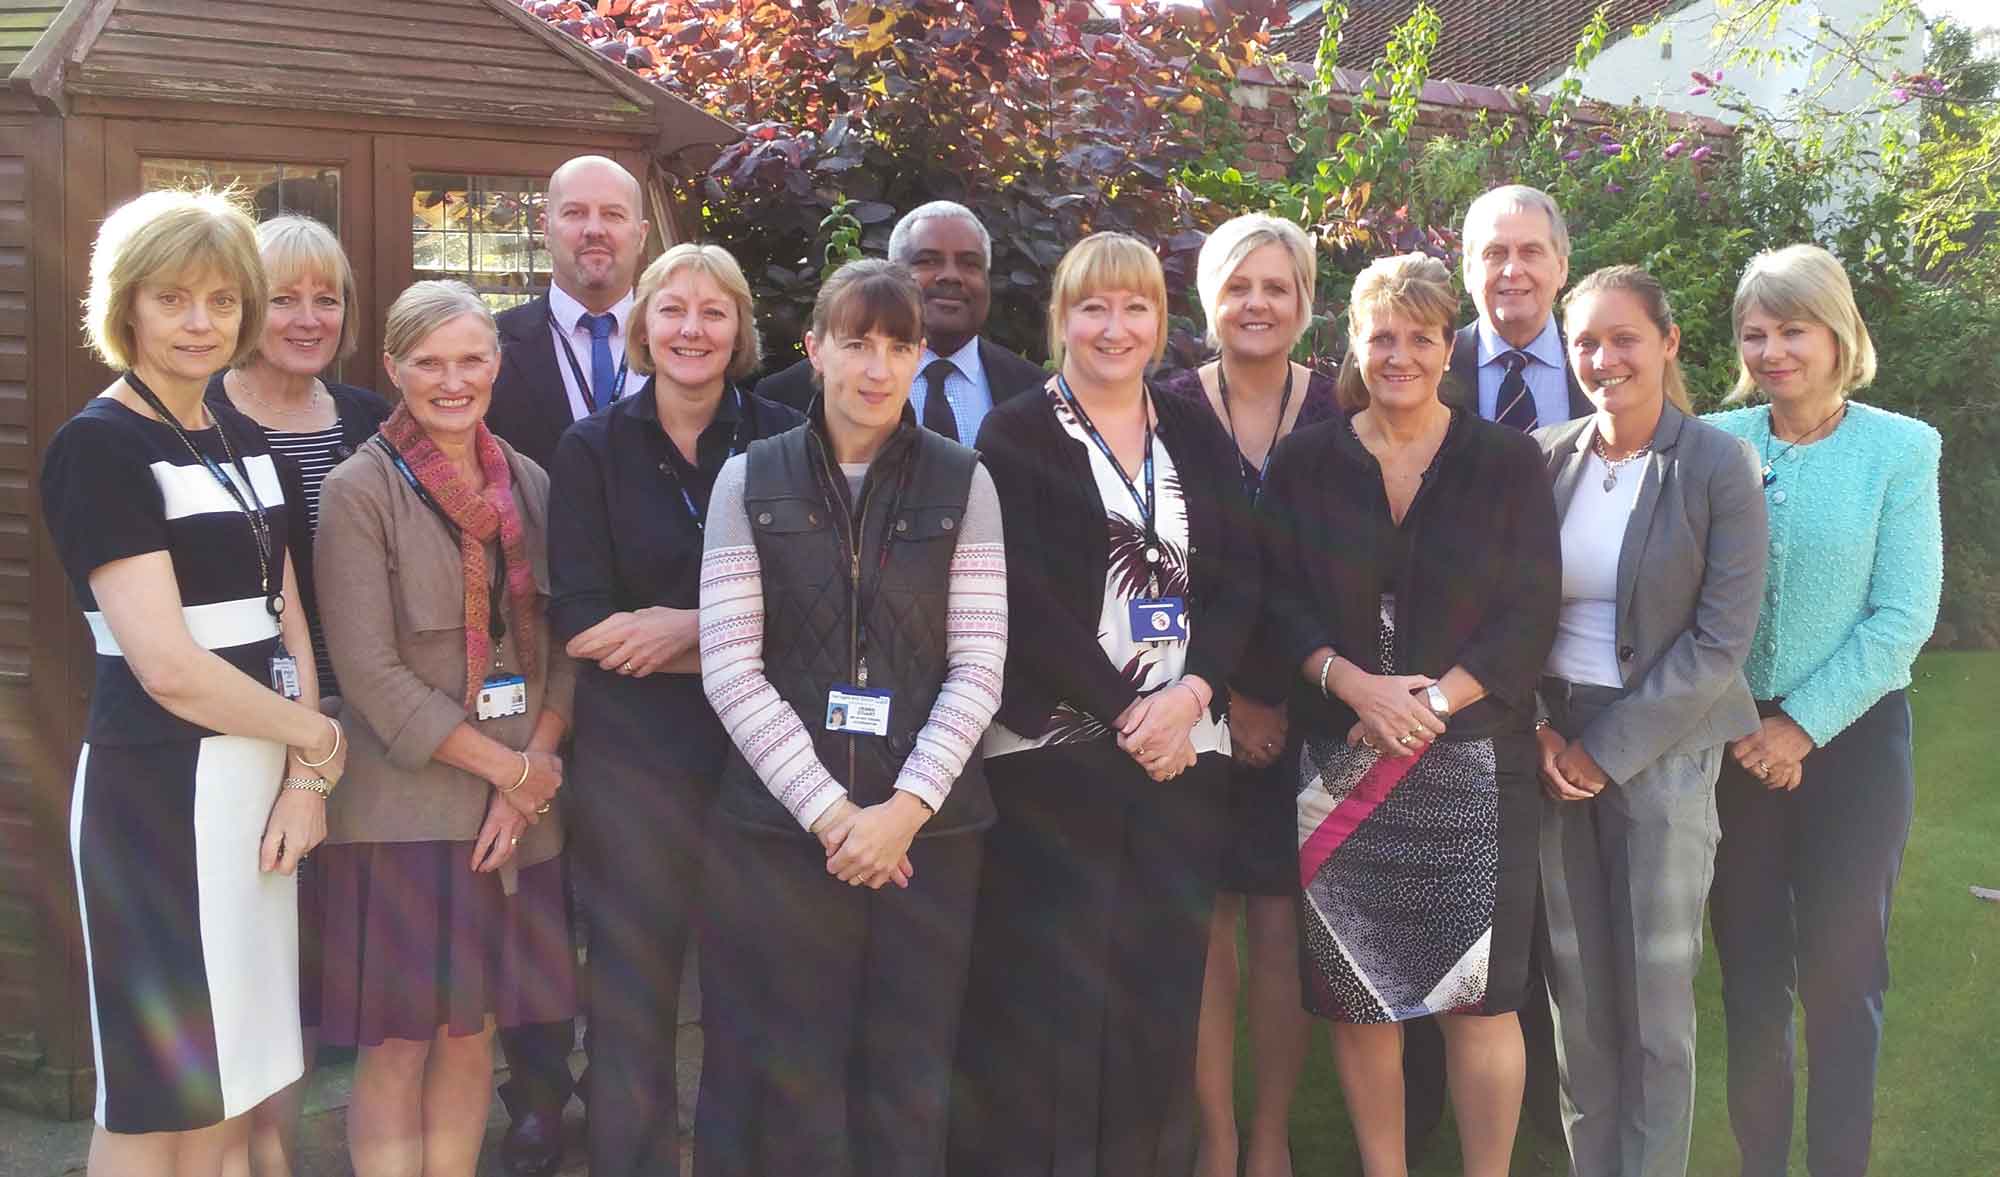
(273, 189)
(482, 230)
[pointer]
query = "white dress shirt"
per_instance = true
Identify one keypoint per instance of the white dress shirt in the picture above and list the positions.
(965, 387)
(1547, 377)
(564, 313)
(1593, 538)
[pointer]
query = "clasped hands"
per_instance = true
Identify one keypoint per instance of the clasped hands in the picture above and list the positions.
(1775, 752)
(639, 642)
(1155, 729)
(1569, 773)
(512, 809)
(870, 847)
(1392, 718)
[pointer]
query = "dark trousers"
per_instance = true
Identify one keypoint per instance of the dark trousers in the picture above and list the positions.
(1087, 966)
(829, 1011)
(538, 1075)
(638, 861)
(1803, 883)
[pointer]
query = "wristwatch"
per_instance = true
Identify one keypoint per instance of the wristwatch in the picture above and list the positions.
(1439, 705)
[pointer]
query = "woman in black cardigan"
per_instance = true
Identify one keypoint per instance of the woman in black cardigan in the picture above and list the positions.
(1415, 580)
(1131, 565)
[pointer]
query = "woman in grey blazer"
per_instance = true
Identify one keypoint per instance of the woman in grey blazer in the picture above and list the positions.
(1663, 547)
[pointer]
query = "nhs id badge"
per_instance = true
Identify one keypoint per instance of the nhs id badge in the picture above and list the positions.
(853, 710)
(1158, 619)
(502, 696)
(285, 675)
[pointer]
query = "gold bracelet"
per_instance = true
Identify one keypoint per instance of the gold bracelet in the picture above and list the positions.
(308, 784)
(526, 767)
(338, 736)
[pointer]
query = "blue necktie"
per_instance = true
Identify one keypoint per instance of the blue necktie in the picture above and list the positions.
(602, 372)
(1515, 404)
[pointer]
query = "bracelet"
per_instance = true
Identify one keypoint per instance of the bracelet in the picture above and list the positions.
(526, 766)
(308, 784)
(338, 736)
(1323, 668)
(1198, 701)
(1542, 721)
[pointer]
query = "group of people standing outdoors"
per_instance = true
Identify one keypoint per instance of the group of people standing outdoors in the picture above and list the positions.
(959, 708)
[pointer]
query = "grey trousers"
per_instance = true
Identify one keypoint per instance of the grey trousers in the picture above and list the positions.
(1624, 879)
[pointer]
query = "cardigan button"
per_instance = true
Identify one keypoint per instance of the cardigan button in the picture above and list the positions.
(947, 523)
(1777, 496)
(763, 518)
(902, 525)
(812, 518)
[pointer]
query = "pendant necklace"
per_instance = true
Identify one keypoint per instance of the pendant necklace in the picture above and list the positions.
(1611, 464)
(1770, 471)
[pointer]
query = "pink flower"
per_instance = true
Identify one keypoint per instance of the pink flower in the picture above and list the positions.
(1573, 154)
(1675, 148)
(1614, 188)
(1701, 153)
(1613, 148)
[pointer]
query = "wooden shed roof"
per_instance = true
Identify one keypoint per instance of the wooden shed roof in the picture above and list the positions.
(462, 60)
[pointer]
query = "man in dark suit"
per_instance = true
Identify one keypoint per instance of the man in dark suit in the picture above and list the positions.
(562, 356)
(1509, 365)
(960, 376)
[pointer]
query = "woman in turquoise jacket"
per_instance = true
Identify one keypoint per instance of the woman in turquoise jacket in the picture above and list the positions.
(1815, 805)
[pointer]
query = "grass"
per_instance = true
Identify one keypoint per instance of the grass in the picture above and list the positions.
(1938, 1096)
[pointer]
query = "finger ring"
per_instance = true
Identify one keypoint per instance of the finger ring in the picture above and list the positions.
(1405, 741)
(627, 668)
(513, 841)
(1269, 746)
(1761, 768)
(544, 808)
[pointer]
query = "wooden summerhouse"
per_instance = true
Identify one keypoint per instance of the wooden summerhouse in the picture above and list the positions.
(423, 133)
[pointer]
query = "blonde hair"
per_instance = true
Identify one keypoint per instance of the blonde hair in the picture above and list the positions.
(1107, 261)
(1238, 238)
(171, 234)
(295, 247)
(1652, 296)
(425, 307)
(717, 263)
(1805, 283)
(1414, 285)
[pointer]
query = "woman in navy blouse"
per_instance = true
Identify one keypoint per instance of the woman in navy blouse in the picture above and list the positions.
(628, 498)
(1815, 805)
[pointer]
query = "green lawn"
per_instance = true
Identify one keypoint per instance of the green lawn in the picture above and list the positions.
(1938, 1111)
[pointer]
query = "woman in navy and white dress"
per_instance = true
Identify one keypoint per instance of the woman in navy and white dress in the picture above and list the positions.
(200, 783)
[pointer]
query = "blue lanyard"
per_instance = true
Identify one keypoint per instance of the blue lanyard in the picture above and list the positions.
(1144, 502)
(1284, 403)
(576, 369)
(496, 597)
(735, 447)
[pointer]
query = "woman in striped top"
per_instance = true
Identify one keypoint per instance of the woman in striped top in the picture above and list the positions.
(317, 424)
(853, 626)
(206, 763)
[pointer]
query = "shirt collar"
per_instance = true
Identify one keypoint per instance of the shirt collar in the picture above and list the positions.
(566, 310)
(645, 407)
(1546, 347)
(965, 359)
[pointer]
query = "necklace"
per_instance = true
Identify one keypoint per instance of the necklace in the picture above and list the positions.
(1770, 471)
(1284, 403)
(308, 409)
(1612, 464)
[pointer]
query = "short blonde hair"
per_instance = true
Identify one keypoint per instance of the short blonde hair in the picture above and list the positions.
(425, 307)
(171, 234)
(717, 263)
(1106, 261)
(1238, 238)
(296, 247)
(1414, 285)
(1806, 283)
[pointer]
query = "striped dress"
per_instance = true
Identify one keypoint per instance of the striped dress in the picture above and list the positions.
(316, 453)
(192, 951)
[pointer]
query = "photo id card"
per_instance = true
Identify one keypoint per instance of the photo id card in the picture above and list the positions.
(285, 675)
(1158, 619)
(851, 709)
(503, 695)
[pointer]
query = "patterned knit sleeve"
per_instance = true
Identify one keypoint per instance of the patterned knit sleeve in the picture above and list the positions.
(975, 648)
(765, 728)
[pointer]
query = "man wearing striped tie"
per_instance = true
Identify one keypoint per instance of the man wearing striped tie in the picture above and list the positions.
(1509, 364)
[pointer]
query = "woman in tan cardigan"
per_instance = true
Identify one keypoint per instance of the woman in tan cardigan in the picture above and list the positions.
(444, 906)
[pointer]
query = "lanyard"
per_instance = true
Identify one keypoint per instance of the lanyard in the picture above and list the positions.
(576, 369)
(1284, 403)
(1144, 502)
(496, 593)
(252, 508)
(671, 468)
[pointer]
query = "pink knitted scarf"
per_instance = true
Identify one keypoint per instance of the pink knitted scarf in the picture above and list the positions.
(479, 516)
